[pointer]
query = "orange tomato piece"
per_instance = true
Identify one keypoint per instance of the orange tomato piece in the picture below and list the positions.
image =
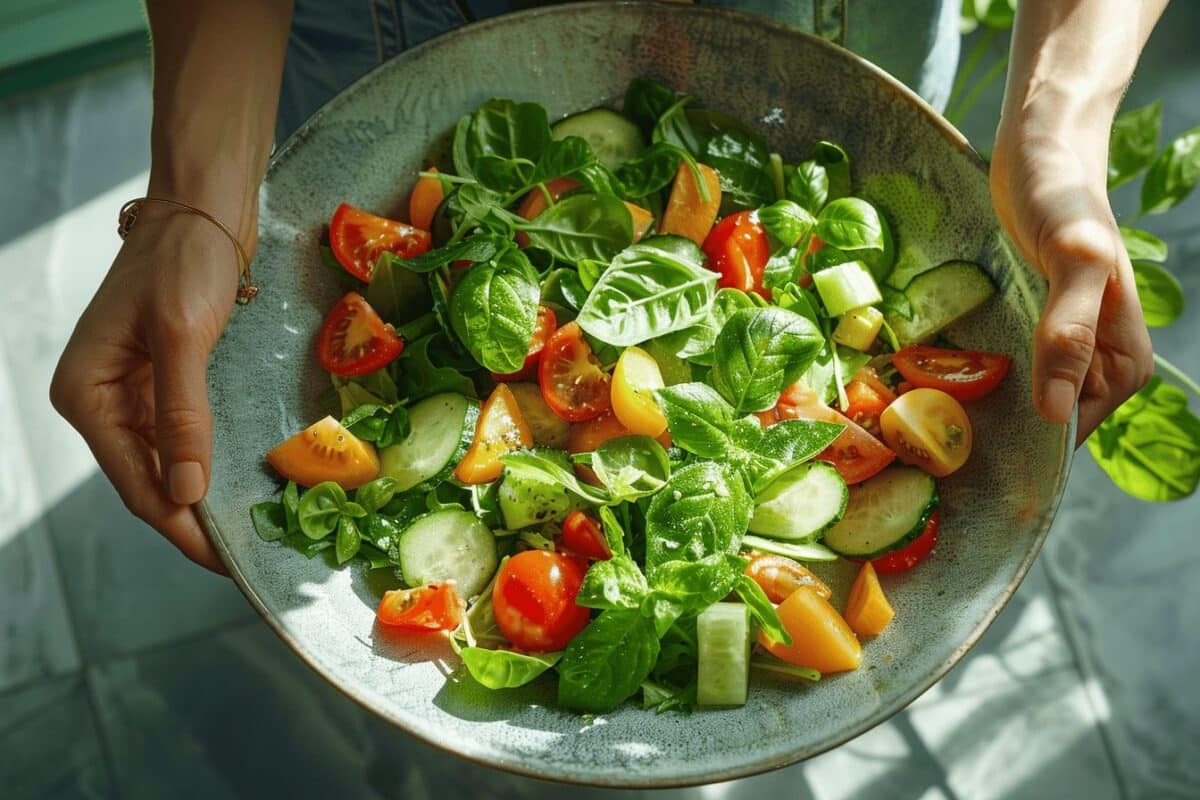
(325, 451)
(687, 213)
(778, 577)
(868, 611)
(426, 196)
(501, 429)
(642, 220)
(821, 639)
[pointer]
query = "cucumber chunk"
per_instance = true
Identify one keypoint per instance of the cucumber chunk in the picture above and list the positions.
(442, 429)
(884, 513)
(723, 662)
(448, 545)
(613, 137)
(845, 287)
(939, 297)
(801, 503)
(525, 501)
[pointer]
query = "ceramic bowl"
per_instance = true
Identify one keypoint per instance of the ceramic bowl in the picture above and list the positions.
(366, 147)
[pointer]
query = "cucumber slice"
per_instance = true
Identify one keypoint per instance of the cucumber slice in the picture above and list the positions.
(525, 501)
(801, 503)
(448, 545)
(884, 514)
(939, 297)
(723, 659)
(799, 551)
(442, 429)
(614, 138)
(845, 287)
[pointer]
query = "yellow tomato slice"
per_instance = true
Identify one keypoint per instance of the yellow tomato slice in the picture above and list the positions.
(501, 429)
(928, 429)
(325, 451)
(634, 380)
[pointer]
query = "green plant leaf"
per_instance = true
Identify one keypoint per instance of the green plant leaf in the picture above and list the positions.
(631, 466)
(320, 509)
(850, 224)
(585, 225)
(702, 511)
(606, 663)
(837, 169)
(614, 583)
(697, 417)
(1139, 244)
(348, 540)
(397, 294)
(1159, 293)
(808, 186)
(418, 377)
(646, 101)
(762, 611)
(650, 172)
(1133, 142)
(1173, 174)
(494, 310)
(695, 342)
(376, 494)
(504, 140)
(534, 465)
(760, 352)
(270, 521)
(787, 222)
(505, 669)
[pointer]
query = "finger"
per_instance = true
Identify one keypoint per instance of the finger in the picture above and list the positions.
(183, 421)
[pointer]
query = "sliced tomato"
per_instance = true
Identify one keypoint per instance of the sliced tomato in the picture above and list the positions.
(534, 600)
(634, 381)
(436, 607)
(543, 329)
(688, 214)
(870, 377)
(738, 248)
(325, 451)
(856, 454)
(358, 238)
(573, 383)
(354, 340)
(501, 429)
(866, 404)
(928, 429)
(778, 577)
(912, 553)
(582, 535)
(965, 375)
(642, 220)
(426, 196)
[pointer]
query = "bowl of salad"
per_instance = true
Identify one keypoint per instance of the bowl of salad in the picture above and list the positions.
(653, 416)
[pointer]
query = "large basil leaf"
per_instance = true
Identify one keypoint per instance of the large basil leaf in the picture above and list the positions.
(850, 224)
(1173, 174)
(614, 583)
(808, 186)
(1150, 446)
(1159, 293)
(580, 226)
(651, 289)
(743, 185)
(562, 158)
(697, 417)
(494, 309)
(760, 352)
(504, 669)
(650, 172)
(631, 466)
(503, 142)
(787, 444)
(702, 511)
(787, 222)
(1133, 142)
(696, 585)
(606, 663)
(695, 342)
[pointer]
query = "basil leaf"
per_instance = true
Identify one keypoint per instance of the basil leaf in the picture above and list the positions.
(419, 377)
(808, 186)
(837, 168)
(348, 540)
(789, 443)
(697, 417)
(1150, 446)
(475, 248)
(606, 663)
(653, 288)
(270, 521)
(788, 223)
(631, 466)
(320, 509)
(650, 172)
(1173, 174)
(743, 185)
(783, 268)
(1159, 293)
(614, 534)
(595, 226)
(1133, 142)
(821, 377)
(494, 310)
(505, 669)
(761, 609)
(376, 494)
(503, 140)
(850, 224)
(458, 148)
(615, 583)
(385, 425)
(533, 465)
(563, 158)
(695, 342)
(646, 101)
(291, 507)
(759, 353)
(696, 585)
(1140, 245)
(702, 511)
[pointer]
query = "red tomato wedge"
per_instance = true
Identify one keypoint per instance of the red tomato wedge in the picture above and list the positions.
(534, 600)
(583, 536)
(358, 238)
(544, 328)
(573, 383)
(354, 340)
(738, 248)
(436, 607)
(866, 404)
(965, 375)
(426, 196)
(912, 553)
(325, 451)
(856, 454)
(501, 429)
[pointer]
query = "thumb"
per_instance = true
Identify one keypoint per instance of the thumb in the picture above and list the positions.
(1078, 259)
(183, 421)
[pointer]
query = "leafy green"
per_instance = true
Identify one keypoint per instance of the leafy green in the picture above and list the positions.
(418, 376)
(1140, 245)
(385, 425)
(650, 172)
(697, 417)
(787, 222)
(535, 466)
(290, 500)
(503, 141)
(494, 310)
(850, 224)
(481, 246)
(396, 293)
(837, 169)
(696, 585)
(1133, 142)
(562, 158)
(788, 443)
(348, 539)
(614, 583)
(759, 353)
(585, 225)
(614, 534)
(320, 509)
(761, 609)
(505, 669)
(1159, 293)
(646, 101)
(376, 494)
(1172, 175)
(695, 342)
(631, 466)
(702, 511)
(270, 521)
(606, 663)
(808, 186)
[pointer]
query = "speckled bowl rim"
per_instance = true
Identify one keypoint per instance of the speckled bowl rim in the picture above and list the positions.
(751, 767)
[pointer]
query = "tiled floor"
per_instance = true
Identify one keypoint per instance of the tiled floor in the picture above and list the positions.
(126, 671)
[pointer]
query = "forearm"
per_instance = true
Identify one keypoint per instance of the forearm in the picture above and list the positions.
(217, 69)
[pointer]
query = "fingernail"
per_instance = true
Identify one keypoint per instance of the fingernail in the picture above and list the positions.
(185, 482)
(1058, 399)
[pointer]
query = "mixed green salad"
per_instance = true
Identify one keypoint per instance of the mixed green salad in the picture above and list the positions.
(613, 386)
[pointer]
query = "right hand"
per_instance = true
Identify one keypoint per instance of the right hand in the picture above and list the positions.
(132, 377)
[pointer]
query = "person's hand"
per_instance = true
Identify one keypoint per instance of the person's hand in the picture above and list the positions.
(132, 377)
(1091, 344)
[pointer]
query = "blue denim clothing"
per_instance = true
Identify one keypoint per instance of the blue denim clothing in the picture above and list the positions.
(332, 43)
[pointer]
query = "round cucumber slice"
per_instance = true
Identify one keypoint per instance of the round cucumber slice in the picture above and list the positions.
(613, 137)
(884, 513)
(442, 429)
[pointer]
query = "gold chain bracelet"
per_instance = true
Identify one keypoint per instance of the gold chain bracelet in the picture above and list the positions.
(247, 291)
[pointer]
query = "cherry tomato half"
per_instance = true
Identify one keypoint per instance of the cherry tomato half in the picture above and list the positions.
(778, 577)
(436, 607)
(912, 553)
(738, 248)
(866, 404)
(928, 429)
(358, 238)
(544, 328)
(534, 600)
(500, 430)
(583, 536)
(354, 340)
(965, 375)
(573, 384)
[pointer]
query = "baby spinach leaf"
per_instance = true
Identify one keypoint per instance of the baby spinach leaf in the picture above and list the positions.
(478, 247)
(1150, 446)
(615, 583)
(849, 223)
(696, 585)
(563, 158)
(646, 101)
(397, 294)
(419, 377)
(787, 222)
(505, 669)
(348, 540)
(1139, 244)
(761, 610)
(494, 309)
(631, 466)
(579, 226)
(650, 172)
(808, 186)
(375, 494)
(535, 466)
(270, 521)
(697, 417)
(320, 509)
(837, 168)
(1159, 293)
(653, 288)
(291, 507)
(606, 663)
(503, 141)
(1172, 175)
(761, 351)
(1133, 142)
(702, 511)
